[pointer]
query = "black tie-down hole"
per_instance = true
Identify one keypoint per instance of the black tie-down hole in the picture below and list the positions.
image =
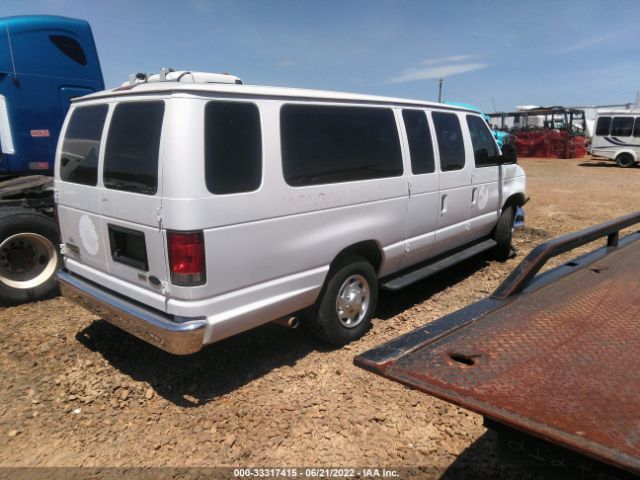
(598, 269)
(464, 358)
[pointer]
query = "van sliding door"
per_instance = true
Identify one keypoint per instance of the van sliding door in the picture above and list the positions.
(422, 217)
(453, 227)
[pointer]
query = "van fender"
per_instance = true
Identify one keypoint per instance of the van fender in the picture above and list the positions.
(370, 250)
(513, 192)
(630, 151)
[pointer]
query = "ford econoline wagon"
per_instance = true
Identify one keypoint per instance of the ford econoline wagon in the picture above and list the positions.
(190, 212)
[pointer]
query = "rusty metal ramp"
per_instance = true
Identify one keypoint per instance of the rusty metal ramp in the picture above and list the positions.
(557, 357)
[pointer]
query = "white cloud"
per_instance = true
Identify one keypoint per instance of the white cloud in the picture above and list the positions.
(451, 59)
(589, 42)
(437, 72)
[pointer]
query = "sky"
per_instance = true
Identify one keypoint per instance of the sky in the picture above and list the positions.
(491, 53)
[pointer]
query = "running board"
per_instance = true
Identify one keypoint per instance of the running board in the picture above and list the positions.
(424, 271)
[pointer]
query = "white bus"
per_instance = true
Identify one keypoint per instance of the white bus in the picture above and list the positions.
(617, 137)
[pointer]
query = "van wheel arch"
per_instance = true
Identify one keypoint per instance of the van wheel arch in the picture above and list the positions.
(369, 250)
(503, 231)
(515, 200)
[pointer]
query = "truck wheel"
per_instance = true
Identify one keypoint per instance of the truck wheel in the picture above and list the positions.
(504, 233)
(347, 303)
(29, 255)
(625, 160)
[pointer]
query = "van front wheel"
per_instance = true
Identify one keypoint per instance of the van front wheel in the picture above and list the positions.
(347, 303)
(503, 234)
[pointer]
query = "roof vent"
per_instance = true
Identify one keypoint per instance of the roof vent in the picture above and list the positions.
(183, 76)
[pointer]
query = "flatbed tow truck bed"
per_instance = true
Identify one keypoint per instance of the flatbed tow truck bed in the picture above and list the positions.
(553, 357)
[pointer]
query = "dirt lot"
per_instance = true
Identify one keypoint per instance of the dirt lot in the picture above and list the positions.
(77, 391)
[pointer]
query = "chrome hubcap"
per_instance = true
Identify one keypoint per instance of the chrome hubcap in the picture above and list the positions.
(27, 260)
(352, 302)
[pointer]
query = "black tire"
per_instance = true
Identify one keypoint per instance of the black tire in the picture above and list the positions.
(324, 320)
(503, 234)
(29, 257)
(625, 160)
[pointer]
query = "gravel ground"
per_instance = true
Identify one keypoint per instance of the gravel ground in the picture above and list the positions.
(79, 392)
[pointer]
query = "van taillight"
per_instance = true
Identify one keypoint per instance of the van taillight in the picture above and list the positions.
(186, 258)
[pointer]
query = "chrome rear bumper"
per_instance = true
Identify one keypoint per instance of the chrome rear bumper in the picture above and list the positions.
(146, 324)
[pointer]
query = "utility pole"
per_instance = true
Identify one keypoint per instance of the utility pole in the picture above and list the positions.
(440, 80)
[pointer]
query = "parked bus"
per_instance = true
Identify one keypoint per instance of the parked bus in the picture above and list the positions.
(617, 137)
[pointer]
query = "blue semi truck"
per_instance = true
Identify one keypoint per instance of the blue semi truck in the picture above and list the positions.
(45, 61)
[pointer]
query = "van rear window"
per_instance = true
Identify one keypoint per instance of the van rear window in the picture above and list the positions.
(81, 145)
(233, 147)
(133, 145)
(327, 144)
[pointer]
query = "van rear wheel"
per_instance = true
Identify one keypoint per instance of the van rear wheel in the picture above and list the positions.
(625, 160)
(347, 302)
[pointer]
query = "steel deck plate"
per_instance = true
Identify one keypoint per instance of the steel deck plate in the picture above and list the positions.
(561, 362)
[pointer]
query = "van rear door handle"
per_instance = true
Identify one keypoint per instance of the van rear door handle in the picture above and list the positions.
(474, 196)
(443, 204)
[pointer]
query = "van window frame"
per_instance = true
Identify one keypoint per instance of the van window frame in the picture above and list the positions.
(429, 138)
(496, 150)
(610, 120)
(434, 115)
(397, 171)
(107, 135)
(101, 142)
(636, 128)
(260, 145)
(621, 117)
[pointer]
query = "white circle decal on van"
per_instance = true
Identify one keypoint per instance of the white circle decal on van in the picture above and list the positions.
(88, 235)
(483, 197)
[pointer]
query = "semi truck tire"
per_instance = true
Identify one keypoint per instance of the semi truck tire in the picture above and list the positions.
(29, 257)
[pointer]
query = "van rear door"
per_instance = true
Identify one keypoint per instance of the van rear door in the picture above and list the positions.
(110, 211)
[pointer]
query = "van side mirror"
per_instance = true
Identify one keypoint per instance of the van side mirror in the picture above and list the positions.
(509, 154)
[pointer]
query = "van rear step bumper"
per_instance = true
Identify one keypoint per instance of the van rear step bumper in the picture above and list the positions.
(144, 323)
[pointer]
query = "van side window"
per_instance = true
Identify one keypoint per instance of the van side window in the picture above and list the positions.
(419, 137)
(484, 147)
(450, 143)
(133, 145)
(81, 145)
(232, 147)
(603, 126)
(327, 144)
(636, 127)
(621, 126)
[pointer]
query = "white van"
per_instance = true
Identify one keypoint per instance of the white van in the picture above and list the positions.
(192, 212)
(617, 137)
